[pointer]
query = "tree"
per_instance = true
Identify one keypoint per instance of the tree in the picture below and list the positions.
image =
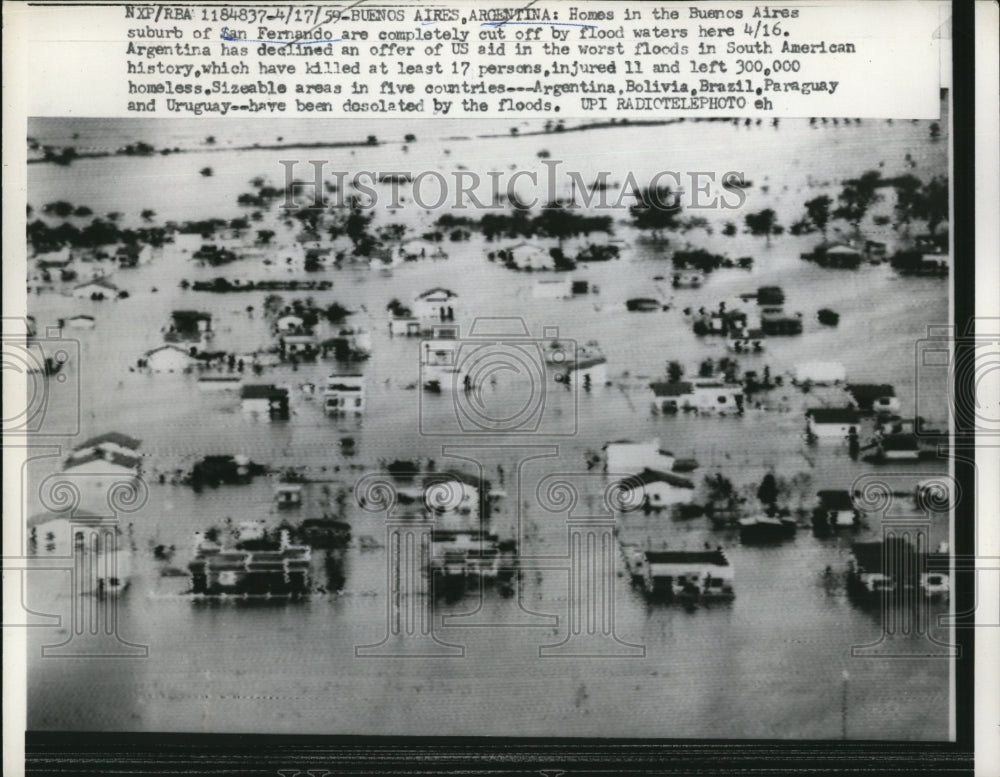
(656, 210)
(857, 196)
(907, 199)
(818, 212)
(147, 215)
(767, 492)
(674, 372)
(762, 223)
(273, 304)
(265, 236)
(933, 206)
(706, 369)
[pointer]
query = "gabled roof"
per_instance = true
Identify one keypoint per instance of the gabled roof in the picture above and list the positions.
(104, 283)
(833, 415)
(167, 347)
(117, 438)
(664, 389)
(649, 476)
(111, 457)
(437, 290)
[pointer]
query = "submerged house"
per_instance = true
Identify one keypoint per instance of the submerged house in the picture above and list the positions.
(100, 463)
(344, 394)
(587, 372)
(879, 569)
(101, 556)
(283, 572)
(437, 304)
(778, 322)
(840, 255)
(133, 254)
(625, 456)
(189, 326)
(673, 574)
(874, 397)
(663, 489)
(168, 358)
(554, 288)
(439, 359)
(264, 401)
(100, 288)
(896, 447)
(688, 279)
(836, 510)
(832, 423)
(701, 395)
(820, 373)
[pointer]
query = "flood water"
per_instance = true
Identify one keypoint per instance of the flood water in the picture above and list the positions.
(770, 664)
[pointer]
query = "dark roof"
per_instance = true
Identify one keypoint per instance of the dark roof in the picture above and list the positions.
(866, 393)
(899, 442)
(716, 557)
(664, 389)
(870, 555)
(648, 476)
(836, 500)
(834, 415)
(262, 391)
(191, 315)
(122, 440)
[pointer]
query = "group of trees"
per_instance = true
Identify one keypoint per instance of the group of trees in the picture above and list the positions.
(915, 200)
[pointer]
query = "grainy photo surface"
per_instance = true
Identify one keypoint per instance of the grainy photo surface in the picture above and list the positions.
(490, 427)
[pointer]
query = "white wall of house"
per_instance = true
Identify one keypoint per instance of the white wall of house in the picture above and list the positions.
(168, 360)
(664, 495)
(598, 374)
(828, 431)
(629, 457)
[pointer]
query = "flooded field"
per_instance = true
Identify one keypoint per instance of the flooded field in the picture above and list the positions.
(769, 664)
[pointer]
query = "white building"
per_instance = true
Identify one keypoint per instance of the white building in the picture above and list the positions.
(437, 304)
(439, 359)
(168, 358)
(554, 288)
(663, 489)
(289, 323)
(821, 373)
(625, 456)
(698, 574)
(832, 423)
